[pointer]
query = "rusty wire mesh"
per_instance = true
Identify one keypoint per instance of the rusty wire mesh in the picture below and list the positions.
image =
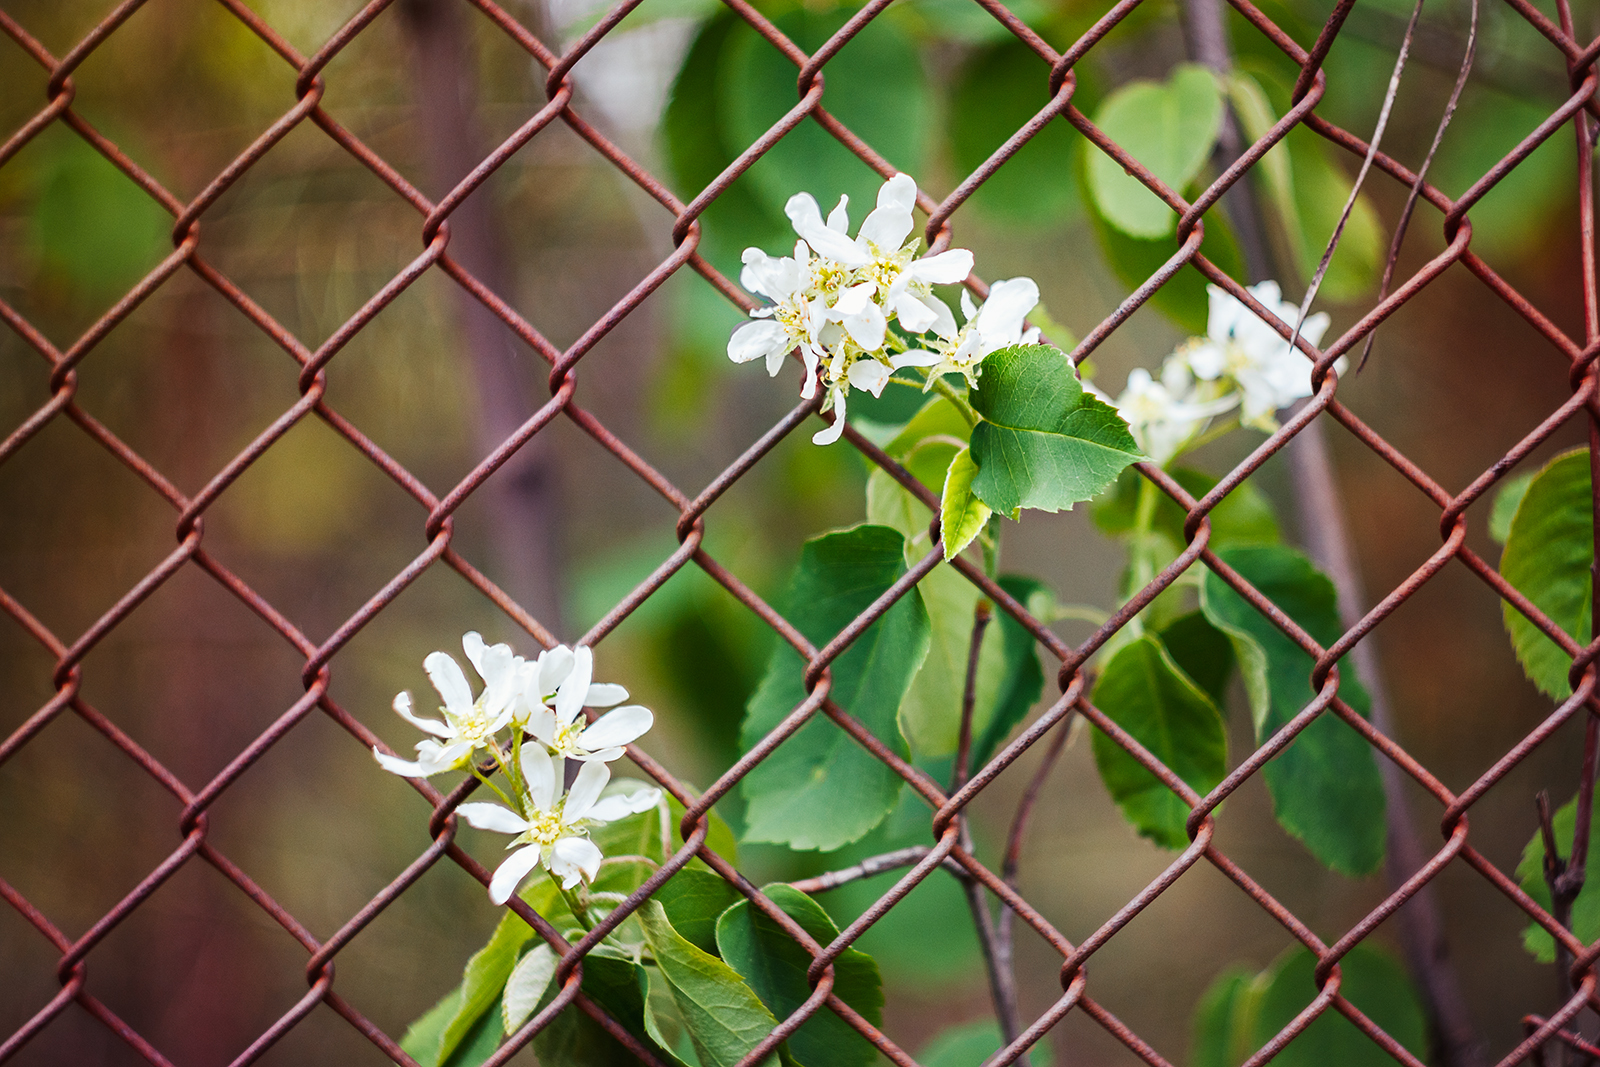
(696, 508)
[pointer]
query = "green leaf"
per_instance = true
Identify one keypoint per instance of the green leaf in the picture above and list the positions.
(1530, 871)
(616, 984)
(1222, 1020)
(1506, 501)
(1144, 691)
(966, 1045)
(1257, 117)
(1549, 550)
(961, 514)
(485, 976)
(527, 985)
(1201, 651)
(775, 966)
(876, 87)
(1022, 682)
(1242, 518)
(1325, 786)
(1170, 128)
(1371, 979)
(1044, 443)
(938, 417)
(1183, 298)
(820, 789)
(421, 1039)
(693, 900)
(724, 1017)
(479, 1043)
(999, 90)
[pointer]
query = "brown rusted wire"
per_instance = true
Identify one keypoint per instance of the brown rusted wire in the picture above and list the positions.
(680, 221)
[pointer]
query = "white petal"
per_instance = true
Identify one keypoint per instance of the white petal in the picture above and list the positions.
(447, 678)
(1224, 313)
(512, 872)
(769, 276)
(890, 222)
(585, 791)
(569, 698)
(604, 695)
(542, 725)
(917, 357)
(914, 315)
(807, 219)
(604, 755)
(617, 727)
(539, 771)
(969, 310)
(472, 644)
(404, 768)
(757, 340)
(622, 804)
(571, 857)
(946, 268)
(554, 666)
(402, 707)
(869, 375)
(1000, 318)
(944, 323)
(500, 673)
(830, 434)
(839, 217)
(808, 388)
(1314, 327)
(492, 817)
(867, 327)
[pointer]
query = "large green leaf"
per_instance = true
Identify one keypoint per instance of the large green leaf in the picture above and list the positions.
(820, 789)
(618, 985)
(966, 1045)
(875, 86)
(485, 976)
(1044, 443)
(1000, 89)
(693, 901)
(1586, 909)
(723, 1015)
(1170, 128)
(1325, 786)
(1370, 979)
(775, 966)
(1143, 691)
(1506, 501)
(1201, 651)
(1549, 550)
(1241, 1012)
(1183, 298)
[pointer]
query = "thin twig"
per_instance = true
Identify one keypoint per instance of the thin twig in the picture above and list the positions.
(1420, 923)
(886, 861)
(1012, 863)
(1422, 174)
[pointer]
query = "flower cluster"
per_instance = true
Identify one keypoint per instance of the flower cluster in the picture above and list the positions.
(858, 309)
(1241, 362)
(537, 704)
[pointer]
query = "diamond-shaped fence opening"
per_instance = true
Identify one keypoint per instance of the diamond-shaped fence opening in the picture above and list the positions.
(393, 318)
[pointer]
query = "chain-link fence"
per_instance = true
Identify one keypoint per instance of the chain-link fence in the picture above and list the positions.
(71, 949)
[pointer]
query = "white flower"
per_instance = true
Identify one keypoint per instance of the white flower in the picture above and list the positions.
(563, 729)
(553, 829)
(1238, 345)
(997, 324)
(794, 319)
(469, 724)
(1165, 415)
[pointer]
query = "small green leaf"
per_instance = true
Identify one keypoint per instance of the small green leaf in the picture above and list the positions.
(1144, 691)
(1370, 979)
(937, 418)
(724, 1017)
(1325, 787)
(485, 976)
(421, 1039)
(1203, 652)
(526, 986)
(1000, 89)
(1506, 501)
(1044, 443)
(1223, 1020)
(775, 966)
(693, 900)
(1170, 128)
(966, 1045)
(1530, 871)
(617, 985)
(961, 514)
(820, 789)
(1549, 550)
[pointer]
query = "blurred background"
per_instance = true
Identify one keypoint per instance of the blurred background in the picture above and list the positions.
(310, 234)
